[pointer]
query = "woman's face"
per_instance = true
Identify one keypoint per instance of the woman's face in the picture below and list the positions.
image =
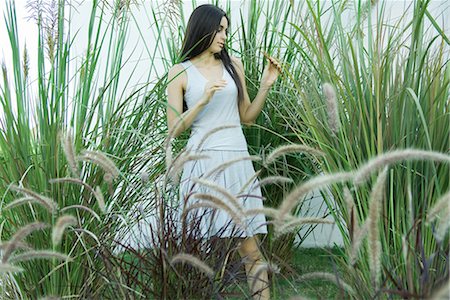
(220, 38)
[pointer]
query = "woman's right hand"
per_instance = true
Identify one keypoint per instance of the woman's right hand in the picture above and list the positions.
(212, 87)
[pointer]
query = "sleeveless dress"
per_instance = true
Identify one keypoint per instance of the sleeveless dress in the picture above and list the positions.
(224, 145)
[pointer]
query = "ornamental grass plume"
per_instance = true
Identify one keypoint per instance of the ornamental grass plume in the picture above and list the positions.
(230, 162)
(297, 195)
(48, 203)
(25, 200)
(440, 212)
(237, 219)
(358, 238)
(232, 199)
(352, 214)
(226, 206)
(100, 159)
(249, 181)
(38, 254)
(286, 149)
(273, 180)
(281, 229)
(376, 200)
(69, 152)
(332, 107)
(61, 224)
(395, 156)
(19, 236)
(82, 207)
(8, 268)
(211, 132)
(330, 277)
(193, 261)
(97, 192)
(174, 170)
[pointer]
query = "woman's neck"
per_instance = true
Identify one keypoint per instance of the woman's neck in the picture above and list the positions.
(205, 59)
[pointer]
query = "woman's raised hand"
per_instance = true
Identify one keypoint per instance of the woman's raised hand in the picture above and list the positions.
(212, 87)
(271, 71)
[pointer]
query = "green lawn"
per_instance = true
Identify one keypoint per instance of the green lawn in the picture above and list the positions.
(287, 283)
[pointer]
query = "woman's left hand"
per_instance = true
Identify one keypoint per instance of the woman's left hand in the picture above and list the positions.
(271, 72)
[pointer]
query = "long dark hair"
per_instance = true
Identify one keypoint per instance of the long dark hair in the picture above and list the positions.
(200, 32)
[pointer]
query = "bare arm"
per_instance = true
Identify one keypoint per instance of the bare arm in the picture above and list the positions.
(249, 111)
(177, 121)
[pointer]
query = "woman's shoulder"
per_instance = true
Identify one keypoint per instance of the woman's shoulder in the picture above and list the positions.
(237, 62)
(177, 71)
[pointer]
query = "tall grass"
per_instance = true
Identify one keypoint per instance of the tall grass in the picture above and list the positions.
(392, 85)
(71, 96)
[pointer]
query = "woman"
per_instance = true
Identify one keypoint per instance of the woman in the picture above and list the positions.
(205, 92)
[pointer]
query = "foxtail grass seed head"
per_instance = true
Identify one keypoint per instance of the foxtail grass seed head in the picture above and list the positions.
(100, 199)
(211, 132)
(25, 200)
(6, 268)
(97, 193)
(441, 293)
(61, 224)
(51, 205)
(358, 238)
(298, 194)
(228, 163)
(237, 212)
(293, 224)
(249, 181)
(376, 201)
(168, 151)
(208, 204)
(82, 207)
(101, 160)
(441, 205)
(352, 214)
(332, 107)
(287, 149)
(174, 172)
(19, 236)
(39, 254)
(268, 211)
(193, 261)
(329, 277)
(273, 180)
(26, 63)
(233, 200)
(19, 245)
(69, 151)
(395, 156)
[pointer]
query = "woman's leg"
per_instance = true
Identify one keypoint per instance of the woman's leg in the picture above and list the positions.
(253, 258)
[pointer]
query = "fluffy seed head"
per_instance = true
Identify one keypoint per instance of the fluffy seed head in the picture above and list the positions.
(19, 236)
(286, 149)
(193, 261)
(61, 224)
(332, 107)
(297, 195)
(48, 203)
(38, 254)
(328, 276)
(395, 156)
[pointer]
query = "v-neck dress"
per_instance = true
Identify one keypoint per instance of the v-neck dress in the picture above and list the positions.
(221, 146)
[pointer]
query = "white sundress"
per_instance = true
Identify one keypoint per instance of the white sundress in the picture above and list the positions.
(221, 146)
